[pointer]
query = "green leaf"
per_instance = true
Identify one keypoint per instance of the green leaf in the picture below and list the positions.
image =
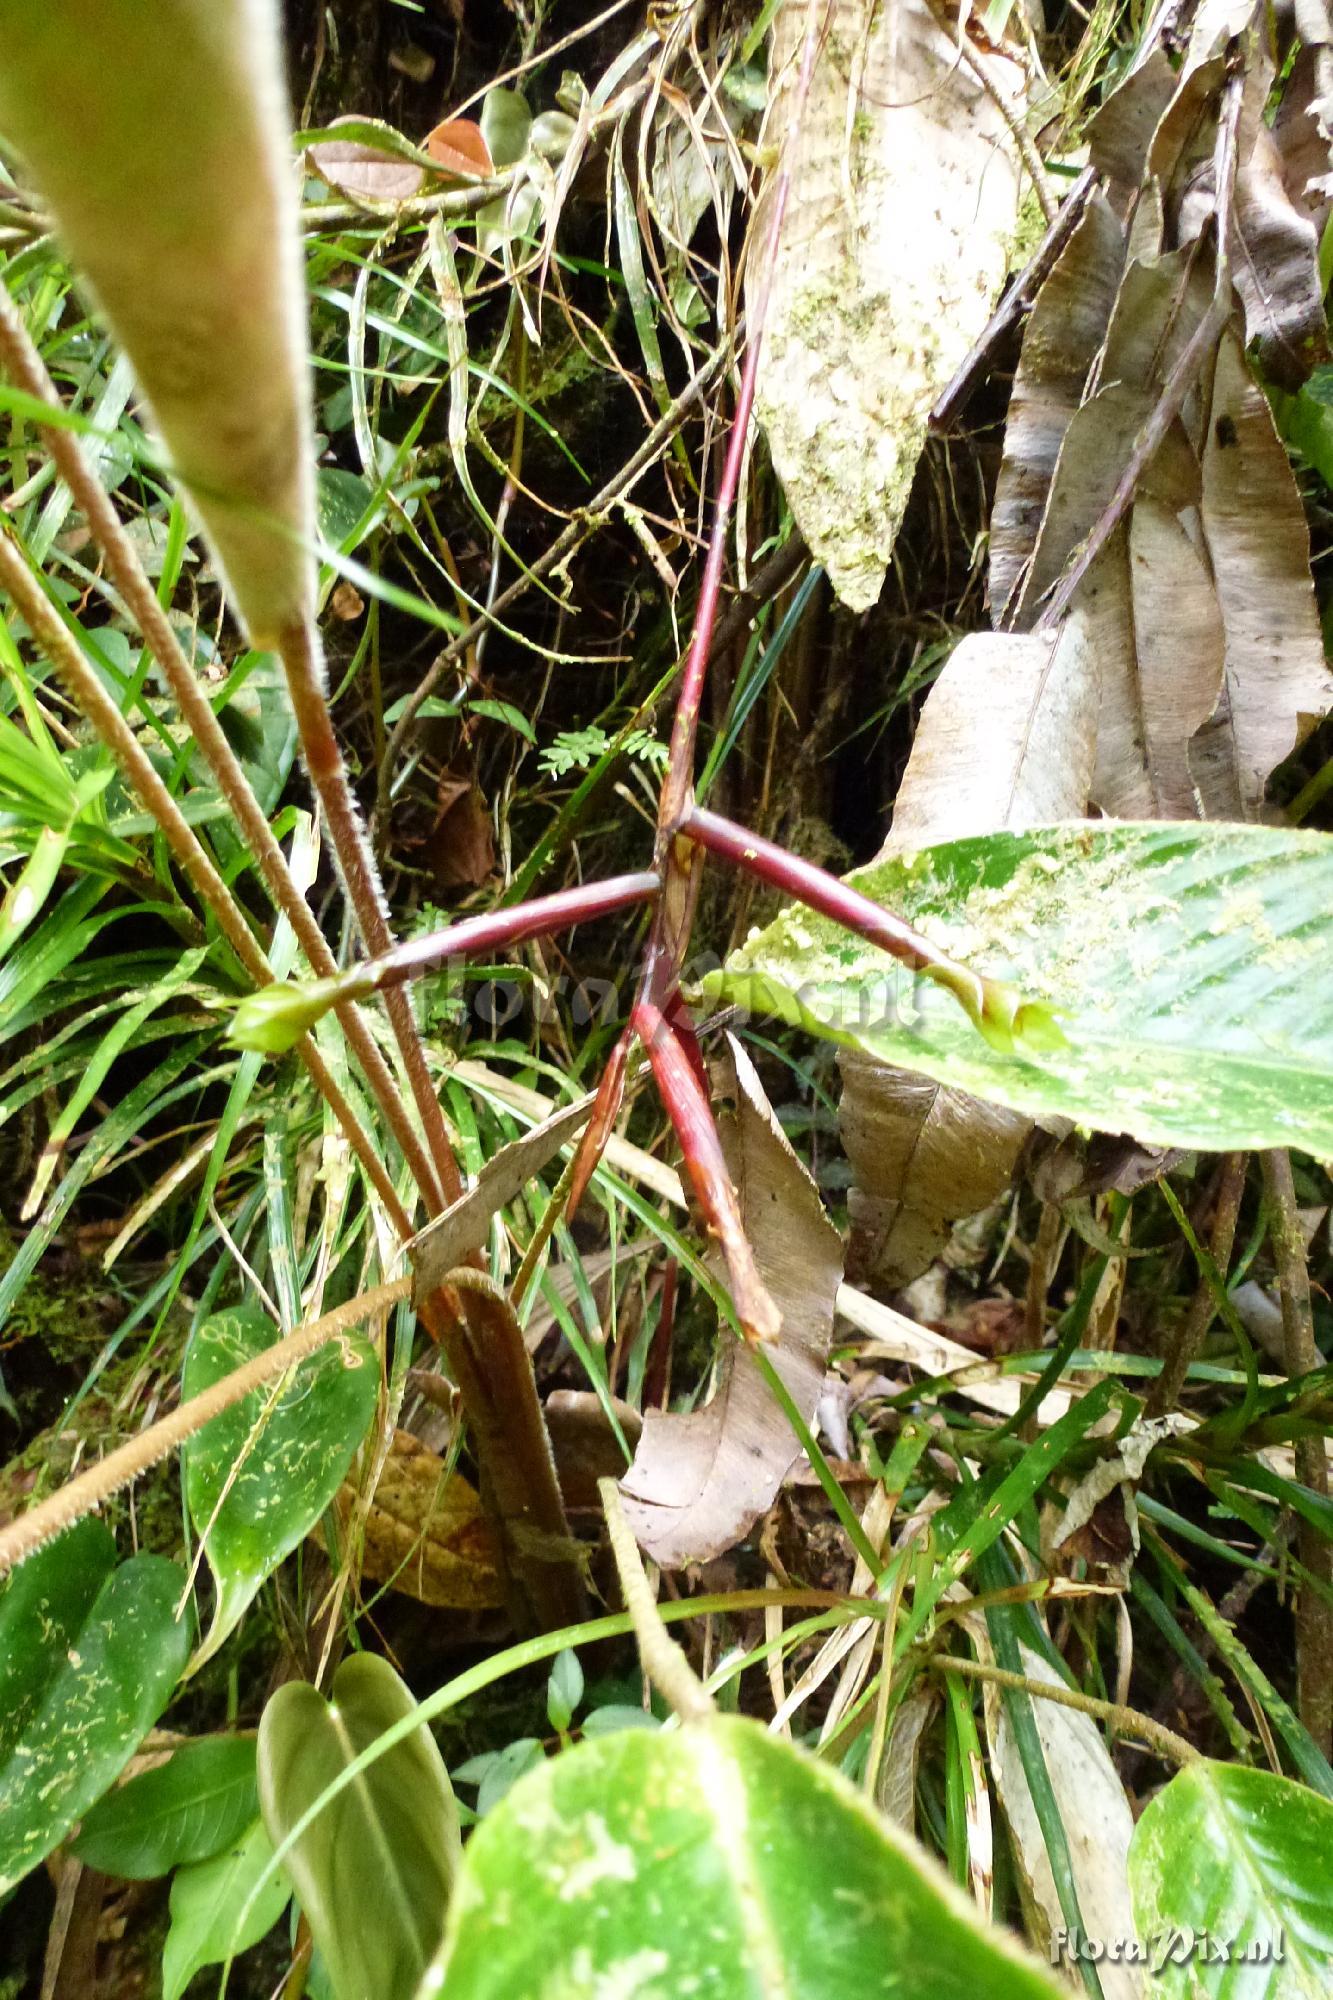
(89, 1656)
(505, 125)
(393, 1833)
(1242, 1856)
(715, 1860)
(504, 711)
(564, 1690)
(207, 1902)
(343, 500)
(260, 1476)
(186, 1810)
(1184, 964)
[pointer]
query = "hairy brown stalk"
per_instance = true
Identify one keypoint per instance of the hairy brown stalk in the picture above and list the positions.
(24, 366)
(92, 700)
(92, 1488)
(664, 1658)
(299, 650)
(1314, 1615)
(1125, 1721)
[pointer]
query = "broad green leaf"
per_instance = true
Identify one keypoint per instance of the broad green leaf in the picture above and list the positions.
(260, 1476)
(1235, 1863)
(392, 1833)
(89, 1656)
(1186, 965)
(186, 1810)
(207, 1902)
(717, 1861)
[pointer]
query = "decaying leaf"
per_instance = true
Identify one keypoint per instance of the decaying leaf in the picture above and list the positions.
(425, 1533)
(1275, 265)
(446, 1242)
(1155, 625)
(362, 171)
(1066, 327)
(904, 202)
(699, 1481)
(1097, 1820)
(1006, 738)
(1277, 679)
(1121, 131)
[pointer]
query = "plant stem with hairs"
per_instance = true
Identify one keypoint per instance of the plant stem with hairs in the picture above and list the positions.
(92, 700)
(24, 367)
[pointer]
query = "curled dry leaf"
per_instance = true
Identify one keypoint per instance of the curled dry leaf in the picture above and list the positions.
(1121, 131)
(424, 1532)
(700, 1481)
(1277, 681)
(1154, 621)
(1006, 739)
(1092, 1804)
(1066, 328)
(1275, 266)
(904, 201)
(445, 1243)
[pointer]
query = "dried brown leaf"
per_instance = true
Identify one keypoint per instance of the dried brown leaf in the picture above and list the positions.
(904, 202)
(700, 1481)
(444, 1244)
(1122, 129)
(1097, 1819)
(1277, 681)
(425, 1532)
(1066, 328)
(1155, 625)
(1006, 739)
(1275, 266)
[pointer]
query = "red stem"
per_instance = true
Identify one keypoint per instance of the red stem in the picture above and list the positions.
(498, 928)
(692, 1116)
(984, 999)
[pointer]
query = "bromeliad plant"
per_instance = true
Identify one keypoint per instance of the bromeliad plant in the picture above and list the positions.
(162, 149)
(186, 225)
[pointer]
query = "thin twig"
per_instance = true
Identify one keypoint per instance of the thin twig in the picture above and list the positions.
(299, 650)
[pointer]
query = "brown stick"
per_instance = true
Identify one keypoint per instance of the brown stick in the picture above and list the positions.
(300, 653)
(25, 367)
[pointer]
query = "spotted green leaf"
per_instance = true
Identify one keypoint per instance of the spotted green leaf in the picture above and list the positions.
(717, 1861)
(259, 1477)
(1186, 965)
(1230, 1867)
(89, 1655)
